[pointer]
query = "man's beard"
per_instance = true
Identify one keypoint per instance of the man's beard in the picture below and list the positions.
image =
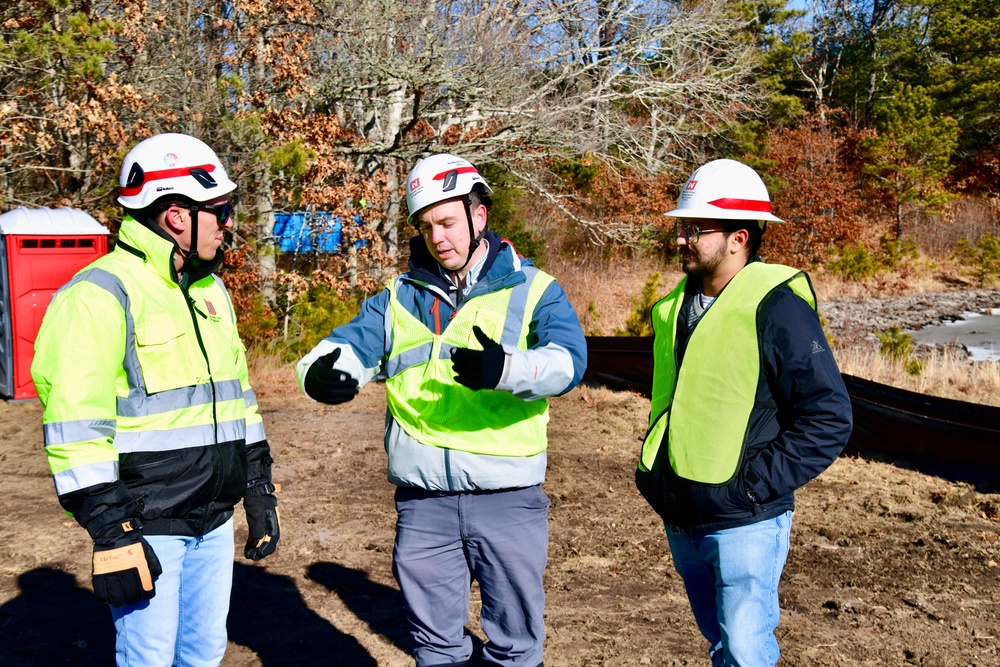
(706, 266)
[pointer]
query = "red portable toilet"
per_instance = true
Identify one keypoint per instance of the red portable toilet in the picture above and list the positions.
(40, 250)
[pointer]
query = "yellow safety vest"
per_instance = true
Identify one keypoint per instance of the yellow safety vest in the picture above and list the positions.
(704, 409)
(434, 409)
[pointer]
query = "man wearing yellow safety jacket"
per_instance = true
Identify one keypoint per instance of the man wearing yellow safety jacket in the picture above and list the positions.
(151, 428)
(470, 341)
(747, 406)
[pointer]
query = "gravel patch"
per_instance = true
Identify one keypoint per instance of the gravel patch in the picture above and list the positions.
(850, 320)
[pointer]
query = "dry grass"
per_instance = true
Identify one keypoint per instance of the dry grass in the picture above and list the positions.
(270, 375)
(945, 373)
(930, 277)
(604, 291)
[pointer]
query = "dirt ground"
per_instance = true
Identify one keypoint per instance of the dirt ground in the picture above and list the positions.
(889, 566)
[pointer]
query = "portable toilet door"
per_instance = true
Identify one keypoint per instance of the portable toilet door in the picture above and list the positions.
(40, 250)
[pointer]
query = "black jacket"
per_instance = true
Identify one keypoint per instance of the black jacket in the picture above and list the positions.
(800, 423)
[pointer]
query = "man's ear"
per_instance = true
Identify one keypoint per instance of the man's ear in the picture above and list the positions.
(174, 220)
(740, 237)
(479, 218)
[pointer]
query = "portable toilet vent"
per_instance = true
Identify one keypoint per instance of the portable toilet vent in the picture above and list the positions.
(40, 250)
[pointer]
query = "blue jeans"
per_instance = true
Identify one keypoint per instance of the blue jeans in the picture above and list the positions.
(731, 577)
(185, 622)
(443, 541)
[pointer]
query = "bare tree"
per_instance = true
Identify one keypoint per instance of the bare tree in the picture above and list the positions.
(636, 84)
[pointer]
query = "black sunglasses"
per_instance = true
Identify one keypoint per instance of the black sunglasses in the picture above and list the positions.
(223, 211)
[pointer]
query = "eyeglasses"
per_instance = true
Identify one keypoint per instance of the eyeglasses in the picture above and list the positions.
(222, 211)
(691, 232)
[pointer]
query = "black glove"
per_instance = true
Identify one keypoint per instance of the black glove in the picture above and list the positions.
(262, 519)
(479, 369)
(327, 385)
(124, 565)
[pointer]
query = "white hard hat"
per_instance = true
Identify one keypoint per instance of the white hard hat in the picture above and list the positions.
(725, 190)
(171, 164)
(440, 177)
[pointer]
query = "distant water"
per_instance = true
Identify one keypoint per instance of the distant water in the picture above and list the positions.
(978, 332)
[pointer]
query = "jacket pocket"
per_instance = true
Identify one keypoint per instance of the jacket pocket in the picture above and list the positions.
(163, 348)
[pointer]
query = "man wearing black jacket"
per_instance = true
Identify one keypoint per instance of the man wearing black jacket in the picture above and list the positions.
(748, 405)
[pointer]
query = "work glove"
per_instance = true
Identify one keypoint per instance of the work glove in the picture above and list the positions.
(262, 520)
(328, 385)
(124, 565)
(479, 369)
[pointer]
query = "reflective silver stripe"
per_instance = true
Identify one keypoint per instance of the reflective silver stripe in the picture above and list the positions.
(418, 355)
(81, 477)
(113, 284)
(229, 304)
(179, 438)
(387, 318)
(143, 405)
(255, 433)
(515, 309)
(250, 397)
(79, 430)
(103, 279)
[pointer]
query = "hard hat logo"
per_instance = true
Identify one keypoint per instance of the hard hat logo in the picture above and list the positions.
(725, 190)
(170, 159)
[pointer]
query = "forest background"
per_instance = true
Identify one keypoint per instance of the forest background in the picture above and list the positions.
(874, 123)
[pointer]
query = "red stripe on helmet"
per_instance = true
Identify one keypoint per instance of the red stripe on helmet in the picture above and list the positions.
(163, 173)
(742, 204)
(460, 170)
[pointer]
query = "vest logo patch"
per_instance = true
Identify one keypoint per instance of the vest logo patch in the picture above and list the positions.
(816, 347)
(211, 308)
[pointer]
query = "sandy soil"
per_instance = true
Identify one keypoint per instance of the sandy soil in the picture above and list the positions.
(888, 566)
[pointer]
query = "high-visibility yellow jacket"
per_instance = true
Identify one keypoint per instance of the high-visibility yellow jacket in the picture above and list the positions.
(149, 412)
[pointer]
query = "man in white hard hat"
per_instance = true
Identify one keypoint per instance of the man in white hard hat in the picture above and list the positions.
(151, 427)
(747, 406)
(471, 341)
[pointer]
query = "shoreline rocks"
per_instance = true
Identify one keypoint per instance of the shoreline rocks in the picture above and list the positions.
(851, 320)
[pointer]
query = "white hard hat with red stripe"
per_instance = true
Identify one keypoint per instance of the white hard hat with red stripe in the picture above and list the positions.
(725, 190)
(171, 164)
(440, 177)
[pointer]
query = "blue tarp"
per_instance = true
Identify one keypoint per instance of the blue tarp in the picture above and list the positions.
(302, 232)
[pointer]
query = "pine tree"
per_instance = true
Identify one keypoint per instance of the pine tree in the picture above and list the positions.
(909, 153)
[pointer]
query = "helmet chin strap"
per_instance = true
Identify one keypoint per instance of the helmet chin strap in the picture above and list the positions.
(191, 254)
(474, 239)
(191, 258)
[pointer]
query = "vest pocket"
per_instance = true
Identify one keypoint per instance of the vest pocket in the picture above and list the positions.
(163, 350)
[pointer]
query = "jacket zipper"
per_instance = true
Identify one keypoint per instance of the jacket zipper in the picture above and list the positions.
(192, 308)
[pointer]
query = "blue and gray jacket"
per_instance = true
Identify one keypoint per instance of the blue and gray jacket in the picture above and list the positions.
(552, 365)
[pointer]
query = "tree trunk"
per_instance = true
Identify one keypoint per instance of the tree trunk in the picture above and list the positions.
(267, 249)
